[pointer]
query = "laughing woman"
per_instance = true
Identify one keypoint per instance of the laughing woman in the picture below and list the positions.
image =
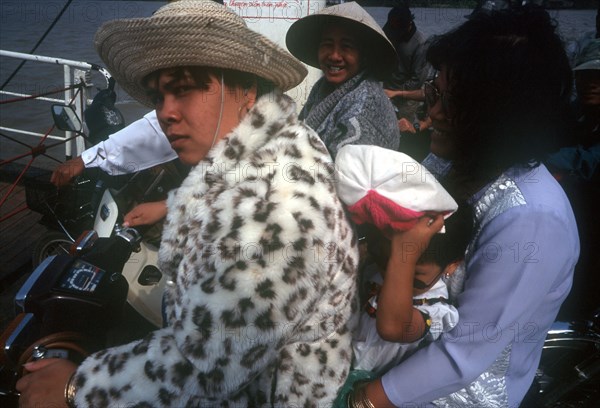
(259, 256)
(348, 104)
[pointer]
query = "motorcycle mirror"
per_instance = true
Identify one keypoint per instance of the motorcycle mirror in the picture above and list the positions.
(65, 118)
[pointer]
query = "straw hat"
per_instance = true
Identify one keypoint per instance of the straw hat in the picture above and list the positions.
(303, 36)
(191, 33)
(388, 189)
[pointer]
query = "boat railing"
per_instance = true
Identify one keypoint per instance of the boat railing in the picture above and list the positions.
(77, 87)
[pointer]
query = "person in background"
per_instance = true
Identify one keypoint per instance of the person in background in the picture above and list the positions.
(577, 168)
(404, 88)
(583, 159)
(501, 105)
(411, 70)
(575, 47)
(348, 104)
(139, 146)
(488, 6)
(259, 256)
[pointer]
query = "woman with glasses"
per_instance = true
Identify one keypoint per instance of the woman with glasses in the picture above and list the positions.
(348, 104)
(499, 105)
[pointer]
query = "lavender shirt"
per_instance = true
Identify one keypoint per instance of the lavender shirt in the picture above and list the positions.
(519, 269)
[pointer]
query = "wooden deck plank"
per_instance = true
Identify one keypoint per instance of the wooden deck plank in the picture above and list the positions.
(18, 236)
(19, 233)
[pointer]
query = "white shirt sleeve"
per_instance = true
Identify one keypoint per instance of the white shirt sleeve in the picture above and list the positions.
(139, 146)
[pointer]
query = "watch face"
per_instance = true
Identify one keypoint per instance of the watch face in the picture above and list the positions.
(82, 277)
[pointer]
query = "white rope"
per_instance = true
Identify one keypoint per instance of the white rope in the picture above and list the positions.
(221, 112)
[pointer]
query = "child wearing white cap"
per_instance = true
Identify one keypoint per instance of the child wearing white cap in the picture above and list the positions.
(397, 321)
(400, 207)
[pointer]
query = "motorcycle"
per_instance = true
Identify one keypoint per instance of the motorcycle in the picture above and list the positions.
(71, 306)
(146, 283)
(69, 211)
(65, 214)
(111, 198)
(569, 371)
(111, 289)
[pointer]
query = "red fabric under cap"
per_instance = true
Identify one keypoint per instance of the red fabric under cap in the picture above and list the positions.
(383, 213)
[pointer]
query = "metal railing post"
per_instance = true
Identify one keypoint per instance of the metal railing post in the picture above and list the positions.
(80, 105)
(70, 77)
(68, 97)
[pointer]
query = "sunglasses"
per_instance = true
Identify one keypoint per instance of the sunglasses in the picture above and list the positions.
(417, 284)
(433, 94)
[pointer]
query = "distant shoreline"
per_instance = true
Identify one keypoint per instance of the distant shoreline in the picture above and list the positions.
(578, 4)
(469, 4)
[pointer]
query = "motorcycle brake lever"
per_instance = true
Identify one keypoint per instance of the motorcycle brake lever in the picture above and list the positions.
(130, 235)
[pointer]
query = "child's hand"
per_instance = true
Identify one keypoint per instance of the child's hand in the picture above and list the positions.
(392, 93)
(412, 243)
(405, 126)
(146, 214)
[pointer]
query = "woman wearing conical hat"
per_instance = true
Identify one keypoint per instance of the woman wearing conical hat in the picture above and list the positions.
(348, 104)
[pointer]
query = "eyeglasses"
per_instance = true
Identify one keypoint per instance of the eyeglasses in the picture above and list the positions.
(417, 284)
(432, 95)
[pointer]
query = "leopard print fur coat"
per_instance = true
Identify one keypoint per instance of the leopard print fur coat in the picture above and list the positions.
(261, 261)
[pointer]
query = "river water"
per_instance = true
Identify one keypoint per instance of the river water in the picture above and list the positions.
(23, 22)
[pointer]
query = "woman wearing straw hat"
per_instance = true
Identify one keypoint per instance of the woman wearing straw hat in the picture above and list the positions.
(348, 104)
(261, 275)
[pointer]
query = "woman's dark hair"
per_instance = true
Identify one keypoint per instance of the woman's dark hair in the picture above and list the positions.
(511, 82)
(442, 250)
(450, 246)
(231, 78)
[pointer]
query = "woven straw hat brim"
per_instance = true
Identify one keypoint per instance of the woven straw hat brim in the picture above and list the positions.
(304, 35)
(191, 33)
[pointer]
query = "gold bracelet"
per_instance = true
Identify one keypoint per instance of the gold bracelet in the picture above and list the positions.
(358, 397)
(70, 392)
